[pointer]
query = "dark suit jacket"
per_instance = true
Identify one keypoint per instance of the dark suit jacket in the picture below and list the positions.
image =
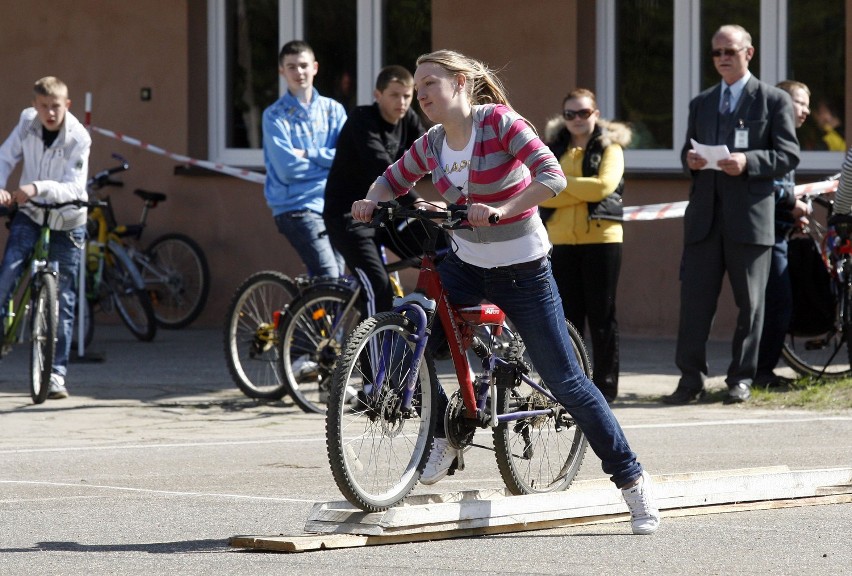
(746, 201)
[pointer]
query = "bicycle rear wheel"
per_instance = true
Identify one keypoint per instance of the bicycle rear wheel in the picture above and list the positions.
(177, 278)
(251, 337)
(132, 302)
(539, 453)
(825, 356)
(45, 323)
(376, 449)
(311, 336)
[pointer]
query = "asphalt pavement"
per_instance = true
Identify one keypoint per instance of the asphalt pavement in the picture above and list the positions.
(157, 459)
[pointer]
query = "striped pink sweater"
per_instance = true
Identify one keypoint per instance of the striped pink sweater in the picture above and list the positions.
(504, 144)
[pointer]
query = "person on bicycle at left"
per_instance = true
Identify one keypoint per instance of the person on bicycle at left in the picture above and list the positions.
(54, 147)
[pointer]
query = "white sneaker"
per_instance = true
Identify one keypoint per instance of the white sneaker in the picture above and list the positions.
(56, 390)
(304, 366)
(644, 515)
(441, 459)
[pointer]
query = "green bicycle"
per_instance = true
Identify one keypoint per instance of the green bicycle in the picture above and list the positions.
(32, 311)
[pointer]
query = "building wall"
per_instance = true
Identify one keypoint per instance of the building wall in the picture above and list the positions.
(113, 49)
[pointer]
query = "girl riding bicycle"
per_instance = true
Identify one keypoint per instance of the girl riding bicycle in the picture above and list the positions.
(483, 154)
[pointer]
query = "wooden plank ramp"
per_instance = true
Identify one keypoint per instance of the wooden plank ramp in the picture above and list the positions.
(438, 516)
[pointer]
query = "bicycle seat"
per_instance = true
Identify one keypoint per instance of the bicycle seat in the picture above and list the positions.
(151, 197)
(483, 314)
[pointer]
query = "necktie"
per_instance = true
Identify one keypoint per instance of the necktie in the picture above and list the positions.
(725, 106)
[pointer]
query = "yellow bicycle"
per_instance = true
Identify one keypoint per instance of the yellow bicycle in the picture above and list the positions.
(113, 281)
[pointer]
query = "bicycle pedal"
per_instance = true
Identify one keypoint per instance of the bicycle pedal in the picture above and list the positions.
(818, 344)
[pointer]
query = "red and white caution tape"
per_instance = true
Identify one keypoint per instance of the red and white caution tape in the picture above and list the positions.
(647, 212)
(821, 187)
(655, 211)
(676, 209)
(215, 166)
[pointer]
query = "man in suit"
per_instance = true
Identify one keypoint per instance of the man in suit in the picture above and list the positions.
(729, 222)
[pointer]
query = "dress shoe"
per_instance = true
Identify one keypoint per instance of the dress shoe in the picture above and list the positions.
(770, 380)
(739, 392)
(683, 396)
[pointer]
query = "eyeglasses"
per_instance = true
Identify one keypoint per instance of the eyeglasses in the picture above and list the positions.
(730, 52)
(571, 114)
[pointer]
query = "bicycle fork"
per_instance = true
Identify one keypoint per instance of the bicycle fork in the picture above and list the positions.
(418, 305)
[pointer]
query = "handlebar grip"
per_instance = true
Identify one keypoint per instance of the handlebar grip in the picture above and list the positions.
(824, 202)
(494, 218)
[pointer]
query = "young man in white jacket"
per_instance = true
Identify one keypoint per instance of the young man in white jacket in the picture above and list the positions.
(54, 147)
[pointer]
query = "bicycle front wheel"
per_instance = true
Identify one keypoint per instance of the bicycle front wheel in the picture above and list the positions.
(251, 336)
(539, 453)
(132, 303)
(311, 337)
(45, 323)
(177, 278)
(376, 448)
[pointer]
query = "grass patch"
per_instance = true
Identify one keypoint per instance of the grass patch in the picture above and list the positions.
(806, 393)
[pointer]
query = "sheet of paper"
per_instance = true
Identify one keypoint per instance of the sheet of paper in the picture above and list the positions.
(711, 153)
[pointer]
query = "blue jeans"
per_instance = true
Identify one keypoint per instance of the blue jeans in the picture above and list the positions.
(66, 249)
(531, 300)
(778, 309)
(305, 230)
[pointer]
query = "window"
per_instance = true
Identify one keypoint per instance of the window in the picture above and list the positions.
(644, 71)
(817, 57)
(661, 60)
(352, 40)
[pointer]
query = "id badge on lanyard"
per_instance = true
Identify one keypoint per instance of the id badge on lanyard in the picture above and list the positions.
(741, 136)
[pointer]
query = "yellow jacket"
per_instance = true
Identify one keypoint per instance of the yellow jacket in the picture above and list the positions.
(570, 223)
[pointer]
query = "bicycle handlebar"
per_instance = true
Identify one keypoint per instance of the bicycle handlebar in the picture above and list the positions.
(77, 203)
(454, 217)
(102, 178)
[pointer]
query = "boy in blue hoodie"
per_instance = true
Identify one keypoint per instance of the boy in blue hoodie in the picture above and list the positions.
(300, 132)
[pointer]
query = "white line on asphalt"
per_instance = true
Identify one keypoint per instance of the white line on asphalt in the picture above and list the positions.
(745, 421)
(154, 446)
(150, 446)
(148, 491)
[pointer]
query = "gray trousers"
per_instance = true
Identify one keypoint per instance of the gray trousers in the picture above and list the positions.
(703, 268)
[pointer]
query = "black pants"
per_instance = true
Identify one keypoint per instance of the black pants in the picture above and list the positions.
(587, 277)
(361, 249)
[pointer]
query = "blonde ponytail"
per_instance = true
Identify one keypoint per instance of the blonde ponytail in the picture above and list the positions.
(482, 86)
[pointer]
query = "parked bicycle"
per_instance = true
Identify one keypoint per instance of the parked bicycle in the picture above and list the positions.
(173, 266)
(311, 333)
(113, 282)
(269, 304)
(251, 332)
(379, 445)
(820, 340)
(32, 311)
(268, 308)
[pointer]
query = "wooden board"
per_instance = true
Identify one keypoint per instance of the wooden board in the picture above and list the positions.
(474, 513)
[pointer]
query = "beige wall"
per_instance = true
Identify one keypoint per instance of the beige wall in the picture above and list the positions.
(530, 44)
(113, 49)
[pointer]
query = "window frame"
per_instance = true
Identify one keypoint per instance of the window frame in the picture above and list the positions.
(688, 53)
(290, 26)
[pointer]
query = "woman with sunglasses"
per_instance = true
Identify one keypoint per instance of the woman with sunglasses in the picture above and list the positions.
(585, 225)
